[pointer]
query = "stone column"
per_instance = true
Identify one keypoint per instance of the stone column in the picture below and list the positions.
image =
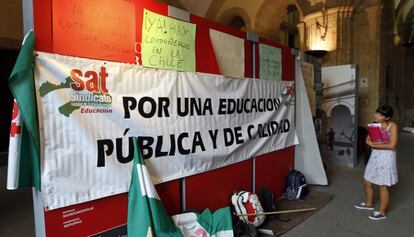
(344, 35)
(302, 36)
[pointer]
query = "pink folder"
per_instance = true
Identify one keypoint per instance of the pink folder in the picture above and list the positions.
(376, 134)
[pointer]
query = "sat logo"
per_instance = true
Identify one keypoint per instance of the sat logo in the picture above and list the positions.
(95, 82)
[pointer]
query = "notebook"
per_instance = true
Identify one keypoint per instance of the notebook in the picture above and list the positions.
(376, 134)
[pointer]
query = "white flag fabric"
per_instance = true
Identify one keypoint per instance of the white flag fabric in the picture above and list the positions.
(206, 224)
(15, 142)
(147, 215)
(24, 145)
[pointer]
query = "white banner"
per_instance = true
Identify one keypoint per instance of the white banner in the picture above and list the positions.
(186, 123)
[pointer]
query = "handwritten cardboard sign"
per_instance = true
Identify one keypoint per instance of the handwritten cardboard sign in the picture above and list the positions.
(270, 62)
(95, 29)
(167, 43)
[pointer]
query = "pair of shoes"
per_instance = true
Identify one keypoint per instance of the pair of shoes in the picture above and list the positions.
(363, 206)
(376, 215)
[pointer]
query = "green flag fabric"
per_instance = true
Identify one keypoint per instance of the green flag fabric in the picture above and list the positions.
(21, 84)
(217, 224)
(147, 216)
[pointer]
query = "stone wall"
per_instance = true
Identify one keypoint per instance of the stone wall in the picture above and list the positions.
(396, 72)
(361, 31)
(388, 85)
(366, 55)
(405, 90)
(358, 36)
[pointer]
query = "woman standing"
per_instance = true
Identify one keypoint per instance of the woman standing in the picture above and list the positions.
(381, 169)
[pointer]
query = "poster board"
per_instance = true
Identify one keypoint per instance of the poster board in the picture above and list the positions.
(340, 108)
(170, 192)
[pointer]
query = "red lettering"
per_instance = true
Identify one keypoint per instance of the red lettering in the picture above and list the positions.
(103, 75)
(78, 84)
(92, 84)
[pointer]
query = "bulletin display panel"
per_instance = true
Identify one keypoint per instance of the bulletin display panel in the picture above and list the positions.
(106, 216)
(272, 168)
(198, 187)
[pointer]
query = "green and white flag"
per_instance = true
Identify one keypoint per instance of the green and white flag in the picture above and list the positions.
(24, 147)
(147, 216)
(217, 224)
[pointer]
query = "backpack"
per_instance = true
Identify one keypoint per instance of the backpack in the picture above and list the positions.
(270, 205)
(245, 202)
(267, 200)
(295, 185)
(242, 229)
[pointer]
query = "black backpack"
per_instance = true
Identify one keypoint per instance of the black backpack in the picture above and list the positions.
(267, 200)
(295, 185)
(243, 229)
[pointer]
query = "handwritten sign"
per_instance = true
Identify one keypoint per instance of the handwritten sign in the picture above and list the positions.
(270, 62)
(167, 43)
(95, 29)
(229, 52)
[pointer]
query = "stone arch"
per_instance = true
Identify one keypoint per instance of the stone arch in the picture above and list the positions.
(300, 11)
(410, 21)
(237, 22)
(214, 9)
(275, 10)
(230, 14)
(333, 105)
(410, 15)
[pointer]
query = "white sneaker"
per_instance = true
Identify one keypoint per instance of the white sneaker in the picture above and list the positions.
(376, 215)
(363, 206)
